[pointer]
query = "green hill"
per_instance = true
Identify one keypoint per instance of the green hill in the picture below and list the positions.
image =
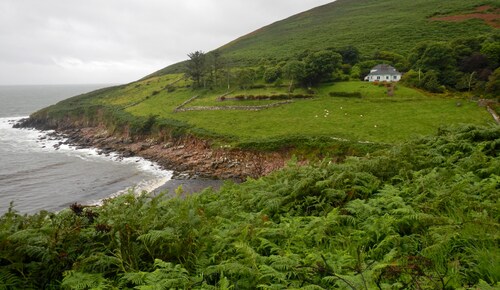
(369, 25)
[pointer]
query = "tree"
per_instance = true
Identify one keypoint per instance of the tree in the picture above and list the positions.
(355, 72)
(474, 62)
(493, 84)
(216, 65)
(196, 67)
(431, 83)
(492, 51)
(364, 67)
(320, 65)
(436, 56)
(294, 71)
(411, 78)
(271, 74)
(350, 54)
(466, 81)
(245, 78)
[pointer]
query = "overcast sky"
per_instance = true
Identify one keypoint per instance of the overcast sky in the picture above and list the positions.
(119, 41)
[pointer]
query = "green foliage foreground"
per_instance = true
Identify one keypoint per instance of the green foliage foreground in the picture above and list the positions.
(423, 215)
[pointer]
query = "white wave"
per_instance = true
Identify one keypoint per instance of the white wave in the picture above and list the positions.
(31, 140)
(17, 140)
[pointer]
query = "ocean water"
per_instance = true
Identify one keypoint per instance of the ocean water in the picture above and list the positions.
(35, 176)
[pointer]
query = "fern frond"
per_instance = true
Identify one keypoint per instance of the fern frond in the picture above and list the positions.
(136, 278)
(269, 273)
(9, 280)
(224, 284)
(166, 276)
(268, 246)
(77, 280)
(154, 236)
(272, 286)
(100, 262)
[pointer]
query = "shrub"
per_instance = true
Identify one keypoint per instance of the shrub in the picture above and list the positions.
(346, 94)
(258, 86)
(272, 74)
(170, 88)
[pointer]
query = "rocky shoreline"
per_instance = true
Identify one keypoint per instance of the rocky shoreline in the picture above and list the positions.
(188, 157)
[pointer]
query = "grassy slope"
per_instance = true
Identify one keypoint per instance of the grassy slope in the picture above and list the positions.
(370, 25)
(376, 117)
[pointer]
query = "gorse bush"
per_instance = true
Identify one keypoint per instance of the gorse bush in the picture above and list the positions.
(422, 215)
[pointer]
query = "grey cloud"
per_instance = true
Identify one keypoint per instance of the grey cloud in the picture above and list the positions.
(57, 41)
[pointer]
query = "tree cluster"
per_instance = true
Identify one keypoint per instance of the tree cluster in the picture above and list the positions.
(308, 70)
(206, 70)
(468, 64)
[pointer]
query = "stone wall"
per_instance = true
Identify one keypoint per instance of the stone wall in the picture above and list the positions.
(221, 108)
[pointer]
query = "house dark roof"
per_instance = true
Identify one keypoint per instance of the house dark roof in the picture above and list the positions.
(383, 69)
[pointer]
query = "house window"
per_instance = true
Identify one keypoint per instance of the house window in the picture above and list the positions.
(387, 77)
(378, 77)
(395, 77)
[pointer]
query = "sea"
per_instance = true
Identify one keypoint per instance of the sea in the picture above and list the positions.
(36, 174)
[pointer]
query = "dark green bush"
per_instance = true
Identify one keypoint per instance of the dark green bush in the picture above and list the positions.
(345, 94)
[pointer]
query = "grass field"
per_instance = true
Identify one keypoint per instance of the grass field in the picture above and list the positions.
(376, 117)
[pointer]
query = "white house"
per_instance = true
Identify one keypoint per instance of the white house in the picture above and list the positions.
(383, 73)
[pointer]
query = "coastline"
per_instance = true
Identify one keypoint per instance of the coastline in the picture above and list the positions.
(39, 159)
(172, 182)
(188, 157)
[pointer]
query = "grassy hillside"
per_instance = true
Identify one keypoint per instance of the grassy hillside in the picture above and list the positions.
(371, 116)
(370, 25)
